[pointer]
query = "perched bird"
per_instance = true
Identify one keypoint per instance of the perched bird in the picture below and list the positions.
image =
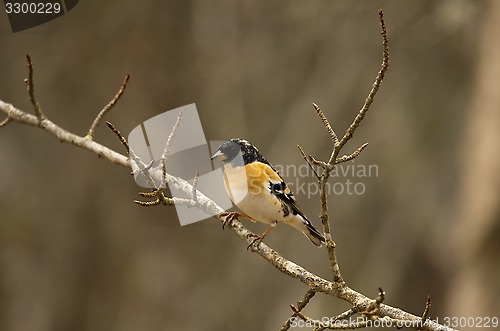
(258, 190)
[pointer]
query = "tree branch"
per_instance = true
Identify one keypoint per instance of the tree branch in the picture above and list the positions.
(338, 145)
(64, 136)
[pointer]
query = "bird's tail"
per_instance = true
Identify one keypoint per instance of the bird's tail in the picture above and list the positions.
(313, 235)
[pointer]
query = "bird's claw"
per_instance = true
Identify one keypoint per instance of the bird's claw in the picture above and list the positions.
(229, 217)
(257, 240)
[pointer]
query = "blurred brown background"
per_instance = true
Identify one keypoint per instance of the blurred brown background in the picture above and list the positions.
(77, 254)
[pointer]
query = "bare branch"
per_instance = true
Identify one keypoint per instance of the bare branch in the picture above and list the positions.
(373, 308)
(427, 308)
(305, 318)
(63, 135)
(5, 122)
(376, 84)
(308, 161)
(330, 244)
(31, 91)
(381, 296)
(122, 139)
(320, 163)
(163, 173)
(351, 156)
(328, 127)
(171, 136)
(166, 150)
(300, 305)
(138, 167)
(160, 199)
(194, 193)
(107, 108)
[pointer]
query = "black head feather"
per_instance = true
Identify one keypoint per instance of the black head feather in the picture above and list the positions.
(239, 152)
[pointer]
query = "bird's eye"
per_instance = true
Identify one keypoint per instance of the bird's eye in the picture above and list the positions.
(277, 188)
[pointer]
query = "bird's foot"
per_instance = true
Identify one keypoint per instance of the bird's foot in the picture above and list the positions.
(256, 240)
(230, 216)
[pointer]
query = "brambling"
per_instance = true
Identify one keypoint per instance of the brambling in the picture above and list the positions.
(259, 191)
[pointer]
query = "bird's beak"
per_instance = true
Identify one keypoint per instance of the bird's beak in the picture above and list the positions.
(216, 155)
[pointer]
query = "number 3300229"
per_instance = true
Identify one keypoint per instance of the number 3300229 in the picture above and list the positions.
(32, 8)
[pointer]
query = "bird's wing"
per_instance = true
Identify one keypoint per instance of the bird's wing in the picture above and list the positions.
(278, 187)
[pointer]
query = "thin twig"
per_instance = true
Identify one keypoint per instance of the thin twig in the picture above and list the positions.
(373, 309)
(160, 199)
(300, 305)
(330, 165)
(31, 91)
(107, 108)
(317, 162)
(195, 185)
(140, 167)
(151, 194)
(303, 317)
(143, 169)
(122, 139)
(63, 135)
(307, 161)
(167, 148)
(5, 122)
(163, 173)
(351, 156)
(381, 296)
(376, 84)
(329, 128)
(170, 138)
(427, 308)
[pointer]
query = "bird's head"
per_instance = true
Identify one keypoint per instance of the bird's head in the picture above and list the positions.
(238, 152)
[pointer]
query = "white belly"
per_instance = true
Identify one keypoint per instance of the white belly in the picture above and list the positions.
(265, 213)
